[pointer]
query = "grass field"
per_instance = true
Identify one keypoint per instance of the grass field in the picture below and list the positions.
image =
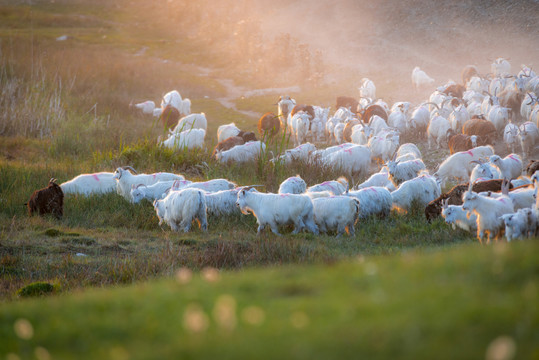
(106, 281)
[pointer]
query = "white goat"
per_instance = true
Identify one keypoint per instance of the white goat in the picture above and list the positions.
(510, 166)
(383, 146)
(151, 192)
(529, 134)
(278, 209)
(222, 203)
(367, 89)
(338, 213)
(373, 200)
(293, 185)
(422, 189)
(299, 153)
(125, 180)
(409, 148)
(242, 153)
(180, 208)
(399, 172)
(488, 212)
(188, 139)
(89, 184)
(499, 116)
(458, 117)
(284, 108)
(146, 107)
(192, 121)
(484, 171)
(457, 217)
(352, 161)
(226, 131)
(459, 165)
(208, 186)
(336, 187)
(420, 78)
(419, 120)
(510, 136)
(517, 224)
(437, 131)
(500, 67)
(378, 179)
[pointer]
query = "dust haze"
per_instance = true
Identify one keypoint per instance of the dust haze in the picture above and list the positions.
(384, 40)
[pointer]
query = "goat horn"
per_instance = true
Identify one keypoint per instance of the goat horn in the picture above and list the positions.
(437, 107)
(130, 168)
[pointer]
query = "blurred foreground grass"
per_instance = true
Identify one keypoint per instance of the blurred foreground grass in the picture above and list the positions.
(457, 303)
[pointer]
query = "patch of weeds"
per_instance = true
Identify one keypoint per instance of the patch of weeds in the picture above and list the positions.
(37, 289)
(187, 242)
(52, 232)
(78, 240)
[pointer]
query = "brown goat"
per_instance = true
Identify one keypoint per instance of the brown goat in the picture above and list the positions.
(347, 102)
(459, 142)
(247, 136)
(227, 144)
(169, 117)
(468, 72)
(269, 125)
(454, 196)
(484, 129)
(372, 110)
(347, 132)
(532, 167)
(302, 107)
(49, 200)
(455, 90)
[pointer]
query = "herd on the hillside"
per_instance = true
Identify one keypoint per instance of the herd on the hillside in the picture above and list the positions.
(495, 196)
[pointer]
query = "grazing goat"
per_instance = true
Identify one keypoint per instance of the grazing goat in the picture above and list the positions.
(422, 189)
(226, 131)
(352, 161)
(293, 185)
(89, 184)
(169, 116)
(459, 165)
(152, 192)
(484, 129)
(180, 208)
(278, 209)
(242, 153)
(222, 203)
(188, 139)
(299, 153)
(461, 142)
(192, 121)
(399, 172)
(373, 200)
(378, 179)
(338, 213)
(49, 200)
(268, 125)
(437, 131)
(227, 144)
(336, 187)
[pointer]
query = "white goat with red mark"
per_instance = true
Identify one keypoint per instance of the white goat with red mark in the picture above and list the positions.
(399, 172)
(460, 165)
(373, 200)
(336, 187)
(422, 190)
(188, 139)
(226, 131)
(89, 184)
(278, 209)
(510, 166)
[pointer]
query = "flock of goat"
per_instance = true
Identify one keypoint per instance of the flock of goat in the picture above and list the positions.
(496, 195)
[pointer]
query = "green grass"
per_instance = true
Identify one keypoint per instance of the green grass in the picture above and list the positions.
(406, 306)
